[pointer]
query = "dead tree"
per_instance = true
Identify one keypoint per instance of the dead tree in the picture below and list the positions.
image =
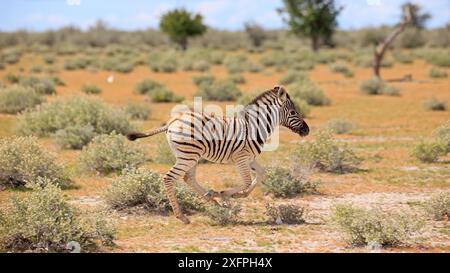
(384, 45)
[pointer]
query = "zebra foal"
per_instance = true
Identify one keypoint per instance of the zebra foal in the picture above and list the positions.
(239, 140)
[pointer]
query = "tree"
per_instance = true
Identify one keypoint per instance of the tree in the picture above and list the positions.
(255, 33)
(418, 18)
(384, 45)
(179, 25)
(315, 19)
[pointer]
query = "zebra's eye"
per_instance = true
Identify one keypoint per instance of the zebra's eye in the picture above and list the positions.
(292, 113)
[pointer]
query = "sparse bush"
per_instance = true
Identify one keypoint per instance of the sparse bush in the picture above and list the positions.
(74, 137)
(50, 117)
(439, 206)
(428, 151)
(23, 161)
(200, 65)
(165, 95)
(274, 58)
(437, 73)
(376, 86)
(74, 64)
(237, 78)
(91, 89)
(293, 76)
(435, 104)
(108, 153)
(286, 183)
(235, 63)
(138, 110)
(42, 86)
(15, 99)
(309, 92)
(12, 78)
(442, 136)
(411, 38)
(43, 221)
(374, 227)
(438, 57)
(327, 154)
(166, 63)
(340, 126)
(36, 69)
(223, 215)
(285, 214)
(341, 68)
(223, 90)
(49, 59)
(57, 81)
(140, 187)
(402, 57)
(206, 80)
(147, 86)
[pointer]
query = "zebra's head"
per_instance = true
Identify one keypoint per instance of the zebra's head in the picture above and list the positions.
(289, 116)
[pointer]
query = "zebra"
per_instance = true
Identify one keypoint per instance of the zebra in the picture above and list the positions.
(194, 135)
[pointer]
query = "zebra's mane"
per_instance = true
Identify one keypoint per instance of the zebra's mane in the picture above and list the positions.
(260, 96)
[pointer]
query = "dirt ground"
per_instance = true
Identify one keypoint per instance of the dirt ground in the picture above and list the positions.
(388, 128)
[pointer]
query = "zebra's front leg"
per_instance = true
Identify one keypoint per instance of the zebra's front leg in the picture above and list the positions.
(260, 175)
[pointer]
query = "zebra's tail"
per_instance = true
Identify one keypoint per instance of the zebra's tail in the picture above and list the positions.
(135, 135)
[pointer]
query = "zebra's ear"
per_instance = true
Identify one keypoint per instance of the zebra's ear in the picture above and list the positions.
(281, 93)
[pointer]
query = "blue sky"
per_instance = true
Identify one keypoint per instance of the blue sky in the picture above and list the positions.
(222, 14)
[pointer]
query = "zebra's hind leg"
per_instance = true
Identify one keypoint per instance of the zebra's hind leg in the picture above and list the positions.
(190, 179)
(176, 172)
(260, 174)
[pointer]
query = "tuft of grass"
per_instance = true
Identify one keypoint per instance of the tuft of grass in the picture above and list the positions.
(222, 90)
(147, 86)
(91, 89)
(285, 214)
(340, 126)
(223, 215)
(138, 110)
(435, 104)
(430, 151)
(285, 182)
(438, 206)
(376, 86)
(164, 154)
(437, 73)
(74, 137)
(375, 227)
(341, 68)
(309, 92)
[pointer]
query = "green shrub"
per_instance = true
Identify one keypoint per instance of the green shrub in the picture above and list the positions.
(223, 215)
(438, 58)
(341, 68)
(138, 110)
(403, 58)
(22, 161)
(49, 59)
(437, 73)
(223, 90)
(206, 80)
(428, 151)
(36, 69)
(74, 64)
(340, 126)
(293, 76)
(57, 81)
(166, 63)
(246, 98)
(285, 214)
(12, 78)
(15, 99)
(286, 183)
(237, 78)
(376, 86)
(235, 63)
(74, 137)
(164, 154)
(309, 92)
(327, 154)
(109, 153)
(435, 104)
(374, 227)
(442, 136)
(43, 221)
(164, 95)
(439, 206)
(42, 86)
(91, 89)
(52, 116)
(147, 86)
(201, 66)
(273, 58)
(140, 187)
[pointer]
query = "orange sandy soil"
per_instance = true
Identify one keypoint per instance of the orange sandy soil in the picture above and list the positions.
(388, 127)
